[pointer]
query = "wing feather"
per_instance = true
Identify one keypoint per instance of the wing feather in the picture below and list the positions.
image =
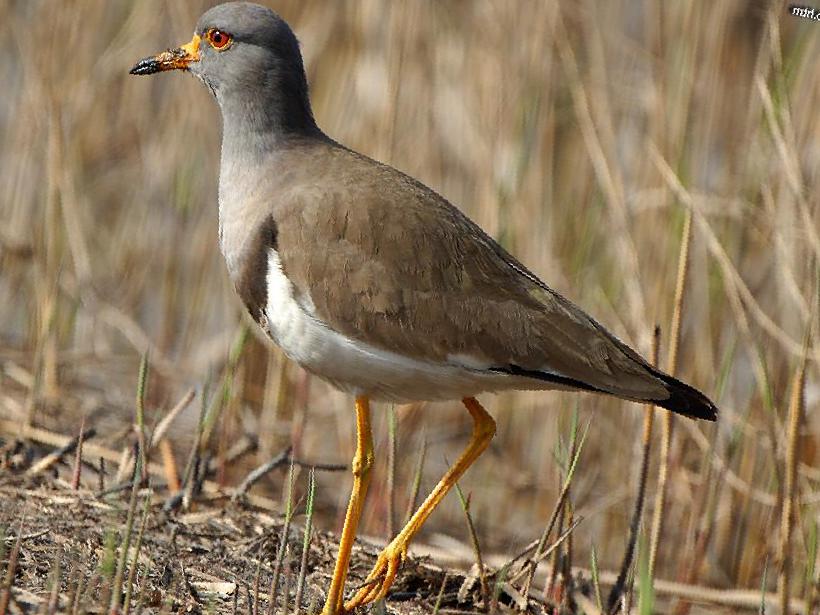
(385, 260)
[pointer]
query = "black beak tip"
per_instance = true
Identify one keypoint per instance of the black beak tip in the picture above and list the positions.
(146, 66)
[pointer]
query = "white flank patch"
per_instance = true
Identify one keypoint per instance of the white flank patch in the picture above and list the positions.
(363, 369)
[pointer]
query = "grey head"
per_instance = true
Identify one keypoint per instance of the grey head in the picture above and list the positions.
(249, 58)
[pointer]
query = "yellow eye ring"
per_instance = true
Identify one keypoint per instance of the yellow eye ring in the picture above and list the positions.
(218, 39)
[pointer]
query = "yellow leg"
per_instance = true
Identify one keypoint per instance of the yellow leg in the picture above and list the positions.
(362, 461)
(384, 572)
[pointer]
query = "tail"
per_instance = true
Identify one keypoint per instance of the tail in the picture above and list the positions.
(684, 399)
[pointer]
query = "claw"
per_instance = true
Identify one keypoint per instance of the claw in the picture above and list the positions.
(381, 578)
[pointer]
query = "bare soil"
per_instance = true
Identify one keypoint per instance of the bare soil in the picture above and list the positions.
(220, 556)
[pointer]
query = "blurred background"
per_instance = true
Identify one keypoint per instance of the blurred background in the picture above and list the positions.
(577, 133)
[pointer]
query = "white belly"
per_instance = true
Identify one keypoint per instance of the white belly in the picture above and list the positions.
(357, 367)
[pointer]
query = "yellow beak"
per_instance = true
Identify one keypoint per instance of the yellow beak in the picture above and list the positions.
(172, 59)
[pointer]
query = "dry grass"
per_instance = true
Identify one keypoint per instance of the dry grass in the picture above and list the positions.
(579, 134)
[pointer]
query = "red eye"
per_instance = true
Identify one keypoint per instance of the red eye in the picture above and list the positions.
(218, 39)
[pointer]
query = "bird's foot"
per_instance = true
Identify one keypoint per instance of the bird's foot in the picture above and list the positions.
(381, 577)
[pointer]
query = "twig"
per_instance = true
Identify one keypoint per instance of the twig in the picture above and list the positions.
(169, 418)
(286, 582)
(280, 556)
(637, 513)
(139, 426)
(392, 428)
(78, 458)
(116, 585)
(256, 575)
(529, 569)
(482, 577)
(193, 456)
(12, 539)
(49, 460)
(243, 446)
(11, 569)
(132, 573)
(300, 583)
(667, 423)
(281, 459)
(596, 582)
(51, 606)
(257, 473)
(416, 486)
(169, 464)
(792, 451)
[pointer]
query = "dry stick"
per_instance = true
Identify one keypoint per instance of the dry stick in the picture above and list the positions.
(391, 472)
(169, 418)
(666, 433)
(555, 565)
(132, 573)
(482, 577)
(244, 445)
(286, 585)
(560, 561)
(566, 568)
(637, 513)
(596, 583)
(300, 583)
(285, 456)
(416, 486)
(100, 473)
(787, 515)
(51, 606)
(193, 459)
(560, 540)
(11, 569)
(116, 585)
(169, 464)
(535, 544)
(140, 423)
(78, 459)
(256, 576)
(559, 505)
(280, 556)
(260, 471)
(49, 460)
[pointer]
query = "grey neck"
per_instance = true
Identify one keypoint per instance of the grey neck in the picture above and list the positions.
(257, 118)
(257, 126)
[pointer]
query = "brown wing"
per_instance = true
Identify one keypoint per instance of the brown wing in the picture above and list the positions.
(386, 260)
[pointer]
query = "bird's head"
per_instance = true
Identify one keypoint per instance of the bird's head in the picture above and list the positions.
(243, 52)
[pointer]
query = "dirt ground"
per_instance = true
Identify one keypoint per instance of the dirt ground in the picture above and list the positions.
(218, 556)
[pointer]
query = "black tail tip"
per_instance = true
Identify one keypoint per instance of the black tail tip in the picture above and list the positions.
(686, 400)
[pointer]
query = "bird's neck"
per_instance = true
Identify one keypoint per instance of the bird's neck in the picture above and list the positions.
(259, 123)
(257, 119)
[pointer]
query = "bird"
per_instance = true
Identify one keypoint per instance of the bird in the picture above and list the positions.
(374, 282)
